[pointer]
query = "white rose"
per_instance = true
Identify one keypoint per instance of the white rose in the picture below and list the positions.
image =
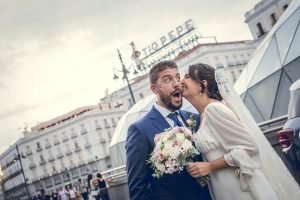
(166, 137)
(180, 137)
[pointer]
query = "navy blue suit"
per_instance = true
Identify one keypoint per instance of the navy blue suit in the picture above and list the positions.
(139, 145)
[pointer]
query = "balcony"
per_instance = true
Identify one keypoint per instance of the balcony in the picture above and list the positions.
(83, 131)
(48, 145)
(39, 149)
(65, 138)
(98, 127)
(56, 142)
(87, 145)
(77, 149)
(73, 135)
(51, 158)
(42, 162)
(68, 152)
(59, 155)
(28, 152)
(32, 165)
(114, 124)
(106, 126)
(102, 141)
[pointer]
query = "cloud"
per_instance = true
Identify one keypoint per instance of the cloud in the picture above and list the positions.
(58, 55)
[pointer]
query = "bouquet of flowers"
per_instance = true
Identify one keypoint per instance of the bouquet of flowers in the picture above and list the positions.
(173, 150)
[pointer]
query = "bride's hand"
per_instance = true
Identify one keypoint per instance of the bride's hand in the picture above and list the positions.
(197, 169)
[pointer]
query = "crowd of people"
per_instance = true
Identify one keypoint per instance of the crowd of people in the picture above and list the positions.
(95, 188)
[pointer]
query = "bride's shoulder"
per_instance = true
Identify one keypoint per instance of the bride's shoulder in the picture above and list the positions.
(217, 107)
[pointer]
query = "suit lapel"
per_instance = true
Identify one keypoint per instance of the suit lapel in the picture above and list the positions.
(158, 121)
(183, 117)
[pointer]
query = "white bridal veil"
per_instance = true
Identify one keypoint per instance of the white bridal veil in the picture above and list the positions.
(272, 166)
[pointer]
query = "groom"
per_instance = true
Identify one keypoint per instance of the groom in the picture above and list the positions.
(165, 83)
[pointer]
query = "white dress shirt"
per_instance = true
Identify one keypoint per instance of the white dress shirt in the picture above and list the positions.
(165, 112)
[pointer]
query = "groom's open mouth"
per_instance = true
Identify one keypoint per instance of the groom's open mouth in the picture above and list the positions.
(176, 95)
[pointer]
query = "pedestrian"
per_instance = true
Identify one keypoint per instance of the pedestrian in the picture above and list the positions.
(103, 187)
(82, 189)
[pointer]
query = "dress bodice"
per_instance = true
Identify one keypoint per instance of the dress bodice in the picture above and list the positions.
(207, 143)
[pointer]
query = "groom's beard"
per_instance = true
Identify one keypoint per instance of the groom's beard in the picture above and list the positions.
(167, 100)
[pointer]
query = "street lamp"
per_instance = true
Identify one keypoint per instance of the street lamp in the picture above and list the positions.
(19, 156)
(125, 71)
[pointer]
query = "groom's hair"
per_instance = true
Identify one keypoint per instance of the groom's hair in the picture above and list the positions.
(157, 68)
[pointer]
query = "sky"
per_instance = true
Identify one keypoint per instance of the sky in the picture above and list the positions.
(58, 55)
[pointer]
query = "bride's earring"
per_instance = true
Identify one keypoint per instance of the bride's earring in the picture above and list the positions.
(200, 89)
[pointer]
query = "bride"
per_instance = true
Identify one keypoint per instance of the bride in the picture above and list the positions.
(239, 160)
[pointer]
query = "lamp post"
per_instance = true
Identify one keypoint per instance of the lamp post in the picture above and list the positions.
(19, 156)
(125, 72)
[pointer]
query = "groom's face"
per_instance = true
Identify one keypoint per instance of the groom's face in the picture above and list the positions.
(168, 89)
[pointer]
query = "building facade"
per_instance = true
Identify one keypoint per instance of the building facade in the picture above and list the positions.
(1, 187)
(264, 15)
(60, 151)
(232, 56)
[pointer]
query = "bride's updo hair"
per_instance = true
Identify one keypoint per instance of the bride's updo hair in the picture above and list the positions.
(200, 72)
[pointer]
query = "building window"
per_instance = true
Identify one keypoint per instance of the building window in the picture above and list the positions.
(38, 145)
(130, 102)
(233, 76)
(109, 135)
(73, 133)
(83, 130)
(49, 183)
(57, 180)
(54, 169)
(83, 171)
(113, 121)
(273, 19)
(284, 7)
(141, 95)
(75, 174)
(65, 137)
(106, 125)
(97, 125)
(107, 162)
(260, 30)
(38, 186)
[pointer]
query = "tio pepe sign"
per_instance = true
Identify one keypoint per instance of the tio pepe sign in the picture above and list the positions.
(171, 36)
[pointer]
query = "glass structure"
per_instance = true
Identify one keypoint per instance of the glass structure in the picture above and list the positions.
(264, 83)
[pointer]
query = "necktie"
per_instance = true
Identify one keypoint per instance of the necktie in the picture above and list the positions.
(173, 116)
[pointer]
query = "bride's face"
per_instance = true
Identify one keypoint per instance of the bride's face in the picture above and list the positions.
(189, 86)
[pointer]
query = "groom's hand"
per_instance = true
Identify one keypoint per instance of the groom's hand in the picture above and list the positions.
(197, 169)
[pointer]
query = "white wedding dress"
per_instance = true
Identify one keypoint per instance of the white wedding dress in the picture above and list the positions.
(222, 134)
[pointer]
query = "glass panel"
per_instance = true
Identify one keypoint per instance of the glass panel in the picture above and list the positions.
(243, 96)
(253, 109)
(293, 69)
(254, 62)
(294, 50)
(290, 10)
(294, 104)
(286, 33)
(269, 63)
(263, 94)
(283, 96)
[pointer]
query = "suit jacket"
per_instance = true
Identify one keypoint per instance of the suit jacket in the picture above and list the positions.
(139, 145)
